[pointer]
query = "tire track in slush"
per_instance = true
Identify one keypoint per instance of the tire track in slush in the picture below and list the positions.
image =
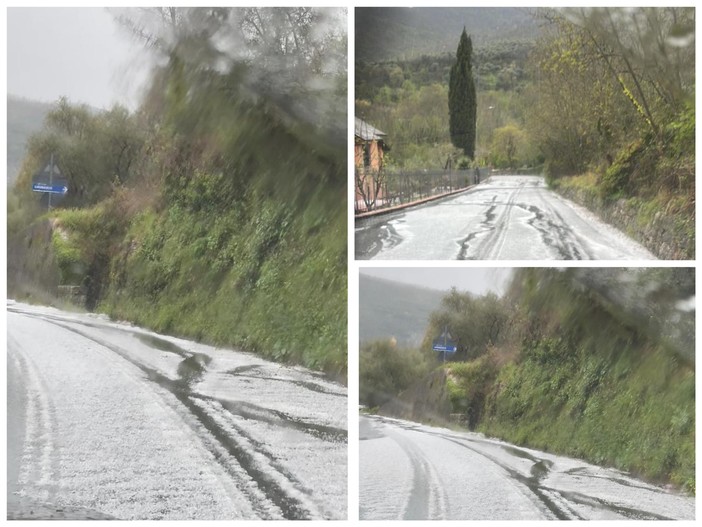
(493, 250)
(531, 483)
(426, 500)
(290, 507)
(491, 245)
(557, 502)
(39, 467)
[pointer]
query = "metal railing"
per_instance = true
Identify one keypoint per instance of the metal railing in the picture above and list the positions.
(399, 187)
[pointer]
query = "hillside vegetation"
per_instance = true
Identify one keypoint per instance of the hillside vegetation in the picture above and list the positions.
(592, 363)
(601, 100)
(612, 110)
(212, 213)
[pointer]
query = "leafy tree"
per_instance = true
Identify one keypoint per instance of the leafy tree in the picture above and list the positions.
(462, 100)
(294, 56)
(576, 110)
(612, 95)
(508, 146)
(386, 369)
(96, 151)
(475, 323)
(649, 51)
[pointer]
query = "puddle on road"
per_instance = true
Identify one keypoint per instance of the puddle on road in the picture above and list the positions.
(161, 344)
(376, 234)
(587, 473)
(557, 236)
(490, 215)
(241, 372)
(599, 503)
(465, 243)
(278, 418)
(390, 238)
(541, 469)
(246, 369)
(191, 368)
(517, 452)
(193, 365)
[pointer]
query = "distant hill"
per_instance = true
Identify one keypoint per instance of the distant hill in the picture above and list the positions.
(393, 309)
(24, 118)
(390, 33)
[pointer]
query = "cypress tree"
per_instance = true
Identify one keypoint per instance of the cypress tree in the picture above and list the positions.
(462, 100)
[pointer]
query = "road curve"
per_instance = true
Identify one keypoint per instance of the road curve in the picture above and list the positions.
(503, 218)
(106, 420)
(415, 472)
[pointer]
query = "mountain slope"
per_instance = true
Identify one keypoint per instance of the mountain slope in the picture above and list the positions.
(392, 309)
(24, 118)
(393, 33)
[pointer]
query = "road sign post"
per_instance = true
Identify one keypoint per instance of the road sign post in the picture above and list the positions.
(444, 344)
(51, 176)
(50, 187)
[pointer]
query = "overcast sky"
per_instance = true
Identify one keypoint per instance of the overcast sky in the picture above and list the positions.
(77, 52)
(476, 280)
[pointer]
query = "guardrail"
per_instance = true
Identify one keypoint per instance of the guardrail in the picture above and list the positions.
(399, 187)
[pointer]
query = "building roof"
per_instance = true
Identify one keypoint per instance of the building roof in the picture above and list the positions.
(367, 132)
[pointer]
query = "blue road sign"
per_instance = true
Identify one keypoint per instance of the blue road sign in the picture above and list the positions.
(52, 189)
(448, 347)
(444, 343)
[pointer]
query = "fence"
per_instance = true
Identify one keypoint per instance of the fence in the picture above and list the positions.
(399, 187)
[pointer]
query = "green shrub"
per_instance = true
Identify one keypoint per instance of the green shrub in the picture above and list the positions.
(616, 179)
(68, 258)
(386, 369)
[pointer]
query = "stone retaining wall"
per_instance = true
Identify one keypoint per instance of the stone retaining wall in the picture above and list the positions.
(665, 236)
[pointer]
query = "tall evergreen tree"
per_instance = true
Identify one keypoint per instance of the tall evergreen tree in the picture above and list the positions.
(462, 100)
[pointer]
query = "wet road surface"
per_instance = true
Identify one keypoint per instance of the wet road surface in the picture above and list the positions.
(413, 472)
(503, 218)
(108, 420)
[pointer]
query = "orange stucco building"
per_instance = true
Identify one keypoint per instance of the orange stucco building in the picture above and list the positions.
(369, 148)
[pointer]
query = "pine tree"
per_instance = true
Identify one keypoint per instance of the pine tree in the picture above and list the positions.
(462, 100)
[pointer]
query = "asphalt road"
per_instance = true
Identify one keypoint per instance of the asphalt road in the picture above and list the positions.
(503, 218)
(109, 420)
(415, 472)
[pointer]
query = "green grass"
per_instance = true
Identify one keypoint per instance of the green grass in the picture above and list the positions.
(592, 388)
(258, 276)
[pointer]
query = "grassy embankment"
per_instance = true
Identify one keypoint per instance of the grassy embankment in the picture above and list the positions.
(587, 385)
(256, 277)
(648, 191)
(232, 232)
